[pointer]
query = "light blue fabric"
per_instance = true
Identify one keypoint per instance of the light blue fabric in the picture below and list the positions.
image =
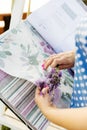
(79, 95)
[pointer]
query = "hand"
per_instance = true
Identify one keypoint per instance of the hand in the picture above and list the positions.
(43, 100)
(63, 60)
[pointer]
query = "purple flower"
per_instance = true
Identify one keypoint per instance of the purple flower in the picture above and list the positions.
(52, 80)
(47, 50)
(42, 43)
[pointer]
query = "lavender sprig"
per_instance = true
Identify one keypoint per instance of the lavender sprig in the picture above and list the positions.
(52, 80)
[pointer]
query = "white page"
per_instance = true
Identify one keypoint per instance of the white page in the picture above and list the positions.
(56, 22)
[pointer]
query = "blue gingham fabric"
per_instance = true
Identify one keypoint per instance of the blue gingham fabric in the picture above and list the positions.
(79, 95)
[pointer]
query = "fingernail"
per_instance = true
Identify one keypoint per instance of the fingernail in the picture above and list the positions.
(45, 86)
(43, 66)
(41, 93)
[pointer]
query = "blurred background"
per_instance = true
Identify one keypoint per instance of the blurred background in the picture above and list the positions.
(6, 7)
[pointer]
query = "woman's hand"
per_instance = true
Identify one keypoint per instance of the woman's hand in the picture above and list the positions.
(63, 60)
(43, 100)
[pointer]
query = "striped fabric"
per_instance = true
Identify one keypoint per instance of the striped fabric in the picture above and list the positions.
(19, 93)
(2, 75)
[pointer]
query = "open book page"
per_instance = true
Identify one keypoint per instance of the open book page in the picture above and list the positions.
(56, 22)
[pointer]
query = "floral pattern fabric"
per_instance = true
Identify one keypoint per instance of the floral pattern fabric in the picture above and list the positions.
(22, 51)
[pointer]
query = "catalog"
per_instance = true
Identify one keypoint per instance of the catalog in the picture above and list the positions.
(46, 31)
(57, 22)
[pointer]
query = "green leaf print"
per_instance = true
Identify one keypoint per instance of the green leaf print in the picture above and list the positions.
(33, 60)
(14, 31)
(2, 63)
(23, 47)
(8, 53)
(2, 54)
(26, 55)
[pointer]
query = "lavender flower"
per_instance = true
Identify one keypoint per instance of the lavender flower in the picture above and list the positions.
(52, 80)
(47, 48)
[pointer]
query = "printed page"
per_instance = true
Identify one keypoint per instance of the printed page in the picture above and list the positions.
(56, 22)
